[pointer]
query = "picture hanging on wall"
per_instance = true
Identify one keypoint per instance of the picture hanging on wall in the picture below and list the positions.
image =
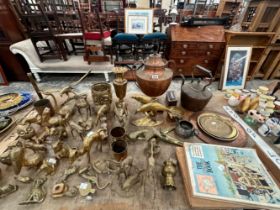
(236, 67)
(138, 21)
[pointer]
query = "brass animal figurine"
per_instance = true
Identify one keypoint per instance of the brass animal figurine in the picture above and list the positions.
(93, 179)
(48, 93)
(7, 190)
(121, 112)
(37, 193)
(48, 166)
(100, 113)
(97, 136)
(131, 181)
(34, 146)
(70, 88)
(138, 135)
(142, 98)
(67, 109)
(24, 179)
(106, 166)
(19, 156)
(63, 150)
(68, 172)
(82, 103)
(59, 132)
(26, 132)
(126, 167)
(150, 110)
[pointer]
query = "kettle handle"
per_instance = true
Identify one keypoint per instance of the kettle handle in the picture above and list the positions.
(183, 79)
(173, 62)
(206, 71)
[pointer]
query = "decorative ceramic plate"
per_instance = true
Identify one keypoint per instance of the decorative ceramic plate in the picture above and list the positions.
(9, 100)
(217, 126)
(26, 99)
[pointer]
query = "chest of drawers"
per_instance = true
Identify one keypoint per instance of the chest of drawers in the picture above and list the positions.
(192, 46)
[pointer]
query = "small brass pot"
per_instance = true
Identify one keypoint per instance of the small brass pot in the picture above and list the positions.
(101, 94)
(118, 133)
(119, 149)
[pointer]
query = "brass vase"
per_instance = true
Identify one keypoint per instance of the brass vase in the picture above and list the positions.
(120, 83)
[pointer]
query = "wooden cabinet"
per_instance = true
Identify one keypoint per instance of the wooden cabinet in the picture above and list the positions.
(196, 45)
(10, 32)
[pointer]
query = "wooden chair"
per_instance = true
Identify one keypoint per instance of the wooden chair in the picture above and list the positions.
(40, 29)
(160, 15)
(152, 43)
(69, 23)
(96, 35)
(125, 48)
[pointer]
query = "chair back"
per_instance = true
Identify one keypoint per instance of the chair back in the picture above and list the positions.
(94, 22)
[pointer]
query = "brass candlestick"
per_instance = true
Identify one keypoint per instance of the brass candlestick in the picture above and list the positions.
(120, 83)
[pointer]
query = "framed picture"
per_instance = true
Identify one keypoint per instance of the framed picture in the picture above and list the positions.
(3, 80)
(138, 21)
(236, 67)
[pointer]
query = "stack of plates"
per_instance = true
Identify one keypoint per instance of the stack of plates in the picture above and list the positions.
(12, 102)
(217, 126)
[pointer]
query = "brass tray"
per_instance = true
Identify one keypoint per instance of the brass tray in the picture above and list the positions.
(217, 126)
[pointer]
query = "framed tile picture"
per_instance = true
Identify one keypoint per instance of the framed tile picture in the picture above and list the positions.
(138, 21)
(237, 63)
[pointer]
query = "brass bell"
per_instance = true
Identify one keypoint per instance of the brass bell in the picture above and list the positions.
(168, 172)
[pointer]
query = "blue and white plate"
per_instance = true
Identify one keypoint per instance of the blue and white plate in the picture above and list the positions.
(26, 100)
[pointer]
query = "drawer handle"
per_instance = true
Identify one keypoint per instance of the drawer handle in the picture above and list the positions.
(208, 53)
(185, 46)
(206, 61)
(184, 52)
(180, 70)
(182, 61)
(211, 46)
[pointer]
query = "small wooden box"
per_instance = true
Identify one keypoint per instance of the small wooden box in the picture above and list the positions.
(171, 99)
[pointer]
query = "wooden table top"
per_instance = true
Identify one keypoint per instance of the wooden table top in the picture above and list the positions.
(149, 196)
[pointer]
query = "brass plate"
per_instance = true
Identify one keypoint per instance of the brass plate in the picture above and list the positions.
(217, 126)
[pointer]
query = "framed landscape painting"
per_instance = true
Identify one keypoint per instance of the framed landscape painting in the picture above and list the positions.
(138, 21)
(237, 63)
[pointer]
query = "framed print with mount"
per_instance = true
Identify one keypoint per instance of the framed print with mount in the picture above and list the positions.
(138, 21)
(237, 61)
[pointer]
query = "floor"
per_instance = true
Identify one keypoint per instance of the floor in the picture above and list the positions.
(57, 81)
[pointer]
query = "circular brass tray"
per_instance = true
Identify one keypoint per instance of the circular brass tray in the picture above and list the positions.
(240, 141)
(217, 126)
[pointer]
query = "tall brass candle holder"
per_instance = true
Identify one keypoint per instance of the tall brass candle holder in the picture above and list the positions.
(120, 85)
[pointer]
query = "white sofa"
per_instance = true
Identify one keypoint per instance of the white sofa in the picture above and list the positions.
(74, 64)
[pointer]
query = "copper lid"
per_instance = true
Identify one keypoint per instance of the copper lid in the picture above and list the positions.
(155, 60)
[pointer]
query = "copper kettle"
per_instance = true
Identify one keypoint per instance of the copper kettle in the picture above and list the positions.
(194, 95)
